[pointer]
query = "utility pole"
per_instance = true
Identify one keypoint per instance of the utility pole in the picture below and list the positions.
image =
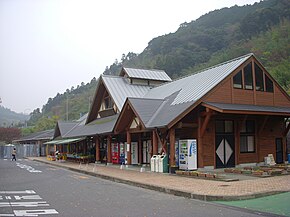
(66, 107)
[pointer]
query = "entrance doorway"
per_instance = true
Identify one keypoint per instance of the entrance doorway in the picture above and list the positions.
(225, 144)
(279, 151)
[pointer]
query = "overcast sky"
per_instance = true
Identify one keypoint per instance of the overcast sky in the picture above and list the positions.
(47, 46)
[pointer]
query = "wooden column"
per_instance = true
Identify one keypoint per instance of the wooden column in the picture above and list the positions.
(97, 142)
(109, 149)
(199, 145)
(172, 146)
(129, 160)
(139, 149)
(154, 142)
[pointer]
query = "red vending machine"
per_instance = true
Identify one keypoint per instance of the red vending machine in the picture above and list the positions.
(115, 153)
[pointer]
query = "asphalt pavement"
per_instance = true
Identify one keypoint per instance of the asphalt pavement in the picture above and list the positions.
(29, 188)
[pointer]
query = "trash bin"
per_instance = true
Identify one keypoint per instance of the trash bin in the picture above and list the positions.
(163, 164)
(157, 163)
(153, 163)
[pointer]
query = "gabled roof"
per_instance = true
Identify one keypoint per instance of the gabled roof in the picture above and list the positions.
(170, 100)
(119, 88)
(99, 126)
(151, 74)
(43, 135)
(193, 87)
(63, 127)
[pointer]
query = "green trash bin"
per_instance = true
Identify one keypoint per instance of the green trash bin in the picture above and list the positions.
(163, 163)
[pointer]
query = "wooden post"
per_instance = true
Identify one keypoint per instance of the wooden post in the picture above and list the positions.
(155, 142)
(109, 149)
(172, 146)
(129, 160)
(140, 150)
(97, 142)
(199, 145)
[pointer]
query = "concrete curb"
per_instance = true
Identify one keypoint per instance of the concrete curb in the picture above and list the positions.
(167, 190)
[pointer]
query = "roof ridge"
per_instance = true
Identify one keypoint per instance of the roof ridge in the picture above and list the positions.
(157, 70)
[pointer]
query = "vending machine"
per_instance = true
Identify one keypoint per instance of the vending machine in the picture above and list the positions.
(188, 154)
(115, 153)
(122, 153)
(134, 152)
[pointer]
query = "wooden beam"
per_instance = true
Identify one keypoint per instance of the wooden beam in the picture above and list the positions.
(172, 146)
(205, 123)
(139, 149)
(186, 125)
(262, 126)
(129, 160)
(154, 142)
(97, 143)
(109, 149)
(200, 163)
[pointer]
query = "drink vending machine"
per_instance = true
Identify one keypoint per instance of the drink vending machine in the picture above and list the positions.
(122, 153)
(188, 154)
(115, 153)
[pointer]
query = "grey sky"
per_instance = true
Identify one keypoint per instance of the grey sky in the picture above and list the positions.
(47, 46)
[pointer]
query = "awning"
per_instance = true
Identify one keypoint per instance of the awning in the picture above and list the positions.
(247, 109)
(64, 141)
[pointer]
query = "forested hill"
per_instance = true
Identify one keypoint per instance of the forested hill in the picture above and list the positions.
(10, 118)
(220, 35)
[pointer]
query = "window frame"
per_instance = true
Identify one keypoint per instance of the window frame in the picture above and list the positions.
(248, 134)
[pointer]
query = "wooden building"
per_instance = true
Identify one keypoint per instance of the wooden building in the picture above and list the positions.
(235, 110)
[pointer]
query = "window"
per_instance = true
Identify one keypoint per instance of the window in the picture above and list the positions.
(108, 103)
(259, 78)
(238, 81)
(224, 127)
(247, 137)
(269, 84)
(248, 77)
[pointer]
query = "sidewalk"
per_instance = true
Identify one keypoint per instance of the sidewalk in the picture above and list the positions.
(182, 186)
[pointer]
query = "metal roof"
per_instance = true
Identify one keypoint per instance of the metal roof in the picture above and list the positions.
(66, 126)
(193, 87)
(99, 126)
(152, 74)
(120, 88)
(249, 108)
(42, 135)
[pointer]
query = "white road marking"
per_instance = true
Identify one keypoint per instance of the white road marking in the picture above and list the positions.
(24, 204)
(28, 168)
(35, 212)
(18, 192)
(28, 197)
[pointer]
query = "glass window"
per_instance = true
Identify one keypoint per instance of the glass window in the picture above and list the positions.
(238, 81)
(247, 137)
(248, 77)
(269, 84)
(229, 126)
(219, 127)
(259, 78)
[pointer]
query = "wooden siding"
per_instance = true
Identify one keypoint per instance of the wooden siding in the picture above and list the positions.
(280, 99)
(226, 93)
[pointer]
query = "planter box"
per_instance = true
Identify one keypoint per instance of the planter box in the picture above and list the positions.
(228, 170)
(194, 173)
(211, 176)
(248, 172)
(201, 174)
(238, 171)
(179, 172)
(275, 172)
(257, 173)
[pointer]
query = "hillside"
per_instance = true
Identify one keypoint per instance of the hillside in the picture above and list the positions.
(10, 118)
(262, 28)
(220, 35)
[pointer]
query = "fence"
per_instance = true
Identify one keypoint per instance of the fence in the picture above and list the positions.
(23, 150)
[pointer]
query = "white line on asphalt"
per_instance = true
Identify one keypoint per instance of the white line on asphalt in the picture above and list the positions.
(18, 192)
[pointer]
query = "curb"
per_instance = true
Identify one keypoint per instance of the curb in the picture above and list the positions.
(168, 190)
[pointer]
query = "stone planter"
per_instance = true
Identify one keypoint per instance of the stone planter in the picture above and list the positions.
(238, 171)
(193, 173)
(247, 172)
(228, 170)
(179, 172)
(211, 176)
(201, 174)
(257, 173)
